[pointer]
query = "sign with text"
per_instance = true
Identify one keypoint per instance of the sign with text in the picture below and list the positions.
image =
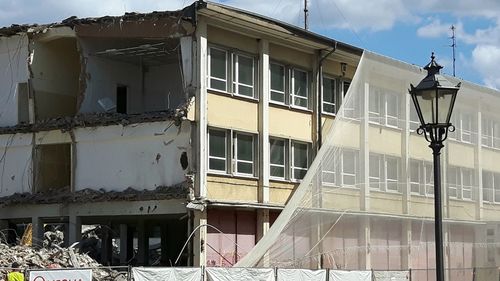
(61, 275)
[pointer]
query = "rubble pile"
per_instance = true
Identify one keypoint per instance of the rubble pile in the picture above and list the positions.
(53, 257)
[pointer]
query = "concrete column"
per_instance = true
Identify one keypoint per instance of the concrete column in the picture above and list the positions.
(124, 237)
(200, 239)
(74, 229)
(264, 150)
(263, 225)
(37, 231)
(142, 243)
(107, 246)
(66, 234)
(201, 109)
(364, 154)
(478, 160)
(405, 159)
(406, 240)
(364, 243)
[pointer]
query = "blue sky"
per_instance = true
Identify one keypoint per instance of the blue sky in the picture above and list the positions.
(407, 30)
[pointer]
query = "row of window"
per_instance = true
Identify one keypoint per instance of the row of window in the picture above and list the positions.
(231, 152)
(236, 73)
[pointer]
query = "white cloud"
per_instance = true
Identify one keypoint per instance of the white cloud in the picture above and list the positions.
(486, 58)
(435, 29)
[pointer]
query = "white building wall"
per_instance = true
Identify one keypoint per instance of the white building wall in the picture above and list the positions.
(15, 164)
(14, 69)
(142, 156)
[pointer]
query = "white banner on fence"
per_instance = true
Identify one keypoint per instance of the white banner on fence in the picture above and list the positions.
(301, 275)
(166, 273)
(341, 275)
(391, 275)
(240, 274)
(56, 275)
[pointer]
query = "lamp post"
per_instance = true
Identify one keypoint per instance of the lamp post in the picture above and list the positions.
(434, 98)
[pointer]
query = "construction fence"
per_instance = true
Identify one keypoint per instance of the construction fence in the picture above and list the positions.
(127, 273)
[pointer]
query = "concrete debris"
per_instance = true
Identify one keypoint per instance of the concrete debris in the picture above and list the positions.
(54, 196)
(53, 257)
(187, 14)
(68, 123)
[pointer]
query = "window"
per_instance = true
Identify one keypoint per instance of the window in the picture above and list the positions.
(244, 151)
(460, 181)
(217, 69)
(242, 156)
(384, 172)
(350, 106)
(277, 161)
(375, 170)
(383, 107)
(217, 152)
(349, 167)
(491, 186)
(285, 165)
(289, 86)
(414, 121)
(429, 178)
(300, 160)
(490, 133)
(392, 173)
(464, 125)
(243, 76)
(329, 173)
(329, 95)
(415, 176)
(421, 177)
(240, 81)
(277, 83)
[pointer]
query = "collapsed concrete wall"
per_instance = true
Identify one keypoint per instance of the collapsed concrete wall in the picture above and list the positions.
(13, 78)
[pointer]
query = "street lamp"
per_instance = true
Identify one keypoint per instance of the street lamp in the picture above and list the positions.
(434, 98)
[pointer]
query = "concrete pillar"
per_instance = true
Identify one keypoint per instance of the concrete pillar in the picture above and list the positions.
(264, 121)
(364, 154)
(263, 226)
(66, 234)
(406, 244)
(201, 109)
(405, 159)
(74, 229)
(124, 237)
(142, 243)
(164, 244)
(364, 243)
(200, 239)
(107, 245)
(37, 232)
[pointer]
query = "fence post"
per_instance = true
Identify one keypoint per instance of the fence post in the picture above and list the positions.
(26, 274)
(202, 273)
(275, 273)
(373, 274)
(409, 273)
(129, 272)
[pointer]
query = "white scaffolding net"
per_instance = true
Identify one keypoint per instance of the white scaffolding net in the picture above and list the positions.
(367, 199)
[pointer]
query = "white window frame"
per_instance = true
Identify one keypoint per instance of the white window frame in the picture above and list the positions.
(374, 106)
(463, 191)
(378, 108)
(466, 135)
(428, 169)
(356, 169)
(285, 153)
(334, 104)
(376, 180)
(226, 152)
(349, 112)
(236, 83)
(292, 161)
(415, 165)
(236, 160)
(388, 181)
(210, 77)
(284, 92)
(292, 89)
(388, 97)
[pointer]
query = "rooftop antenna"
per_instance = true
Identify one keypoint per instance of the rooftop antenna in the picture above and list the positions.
(453, 46)
(306, 14)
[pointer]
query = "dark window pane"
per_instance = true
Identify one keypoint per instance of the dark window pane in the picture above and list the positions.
(217, 84)
(245, 70)
(218, 63)
(300, 155)
(278, 172)
(217, 164)
(217, 143)
(245, 147)
(245, 168)
(300, 83)
(277, 152)
(277, 77)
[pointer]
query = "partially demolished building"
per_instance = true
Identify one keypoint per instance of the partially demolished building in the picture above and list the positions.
(153, 124)
(205, 120)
